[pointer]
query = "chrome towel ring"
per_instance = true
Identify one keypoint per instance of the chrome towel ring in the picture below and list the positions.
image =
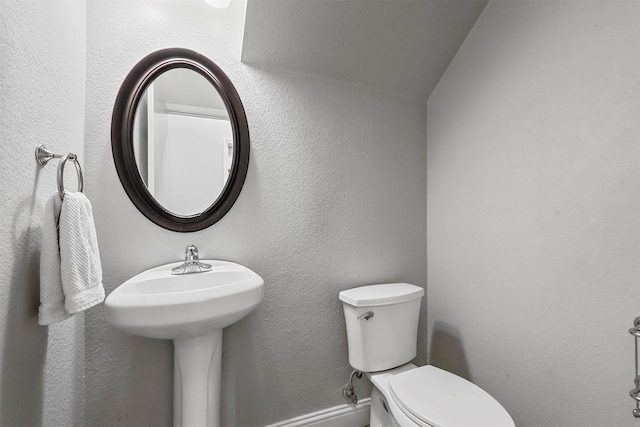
(43, 156)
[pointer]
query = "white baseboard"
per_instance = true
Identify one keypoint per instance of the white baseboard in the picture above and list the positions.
(339, 416)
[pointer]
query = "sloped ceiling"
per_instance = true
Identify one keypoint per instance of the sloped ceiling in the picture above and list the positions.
(400, 46)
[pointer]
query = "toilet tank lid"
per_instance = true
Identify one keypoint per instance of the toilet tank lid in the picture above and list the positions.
(386, 294)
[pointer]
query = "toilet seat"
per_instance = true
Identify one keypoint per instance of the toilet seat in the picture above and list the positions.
(430, 396)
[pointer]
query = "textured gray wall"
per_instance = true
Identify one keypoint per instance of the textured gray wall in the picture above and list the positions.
(334, 198)
(42, 57)
(534, 210)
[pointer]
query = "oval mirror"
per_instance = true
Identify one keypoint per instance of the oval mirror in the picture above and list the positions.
(180, 139)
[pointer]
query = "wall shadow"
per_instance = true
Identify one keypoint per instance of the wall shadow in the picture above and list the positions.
(447, 351)
(25, 342)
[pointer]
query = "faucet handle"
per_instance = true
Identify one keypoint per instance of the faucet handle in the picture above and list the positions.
(191, 253)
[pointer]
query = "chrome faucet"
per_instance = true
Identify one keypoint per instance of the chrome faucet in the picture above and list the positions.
(192, 263)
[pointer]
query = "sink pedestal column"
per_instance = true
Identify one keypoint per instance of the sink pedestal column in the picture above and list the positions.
(196, 380)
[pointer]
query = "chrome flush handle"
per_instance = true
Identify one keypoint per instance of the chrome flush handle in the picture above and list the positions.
(366, 316)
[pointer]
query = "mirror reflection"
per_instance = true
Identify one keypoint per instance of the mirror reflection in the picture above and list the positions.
(183, 141)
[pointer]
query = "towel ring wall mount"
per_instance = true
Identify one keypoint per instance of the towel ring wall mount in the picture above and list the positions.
(43, 156)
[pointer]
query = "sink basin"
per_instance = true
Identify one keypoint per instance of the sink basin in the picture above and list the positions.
(158, 304)
(190, 309)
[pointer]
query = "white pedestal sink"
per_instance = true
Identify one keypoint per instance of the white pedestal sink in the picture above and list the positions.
(190, 309)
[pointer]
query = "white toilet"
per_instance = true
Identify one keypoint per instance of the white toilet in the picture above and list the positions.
(382, 327)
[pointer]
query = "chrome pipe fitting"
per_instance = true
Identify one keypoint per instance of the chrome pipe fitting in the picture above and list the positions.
(348, 391)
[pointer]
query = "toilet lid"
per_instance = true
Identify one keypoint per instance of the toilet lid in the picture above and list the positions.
(442, 399)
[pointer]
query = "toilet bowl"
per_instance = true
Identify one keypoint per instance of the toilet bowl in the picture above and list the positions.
(382, 323)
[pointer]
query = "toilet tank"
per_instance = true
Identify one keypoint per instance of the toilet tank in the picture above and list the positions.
(382, 325)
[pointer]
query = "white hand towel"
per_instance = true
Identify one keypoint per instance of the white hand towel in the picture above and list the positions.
(80, 270)
(51, 294)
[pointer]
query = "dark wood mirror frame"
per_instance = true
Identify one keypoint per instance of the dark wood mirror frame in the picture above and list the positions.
(124, 111)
